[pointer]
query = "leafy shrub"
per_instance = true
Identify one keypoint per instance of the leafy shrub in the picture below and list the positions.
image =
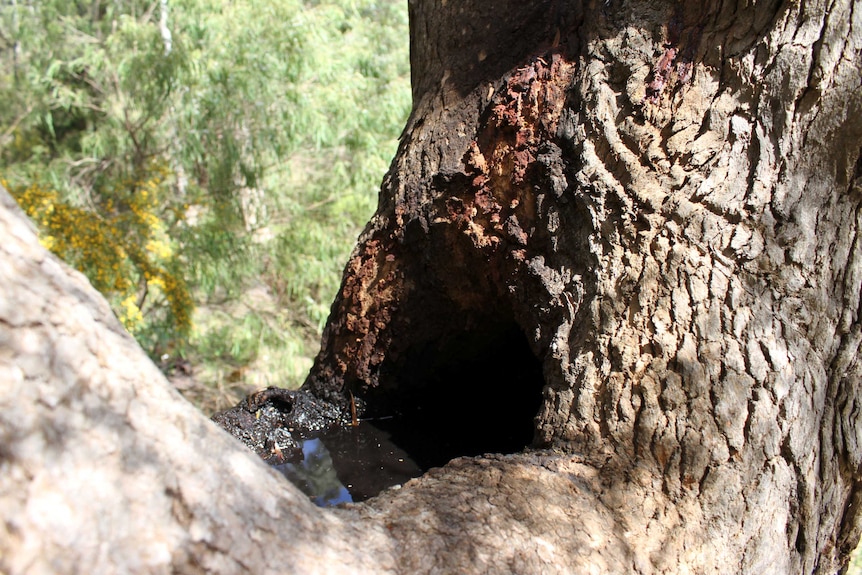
(182, 159)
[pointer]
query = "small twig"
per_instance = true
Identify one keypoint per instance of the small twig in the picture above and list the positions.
(148, 14)
(321, 203)
(142, 298)
(353, 421)
(17, 121)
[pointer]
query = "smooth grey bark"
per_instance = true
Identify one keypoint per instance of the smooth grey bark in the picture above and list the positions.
(664, 197)
(104, 468)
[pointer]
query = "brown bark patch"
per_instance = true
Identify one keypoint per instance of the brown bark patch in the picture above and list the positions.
(675, 66)
(498, 207)
(371, 288)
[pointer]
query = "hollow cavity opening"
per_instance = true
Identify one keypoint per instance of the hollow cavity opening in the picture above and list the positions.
(465, 394)
(471, 393)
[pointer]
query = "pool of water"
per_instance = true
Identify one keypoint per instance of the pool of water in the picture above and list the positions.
(348, 464)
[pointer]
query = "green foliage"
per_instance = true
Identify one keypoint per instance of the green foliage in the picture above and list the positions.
(182, 159)
(123, 248)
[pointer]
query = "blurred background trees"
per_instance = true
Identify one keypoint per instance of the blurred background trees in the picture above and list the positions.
(207, 164)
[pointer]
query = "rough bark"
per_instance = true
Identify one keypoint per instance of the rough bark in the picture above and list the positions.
(663, 198)
(104, 468)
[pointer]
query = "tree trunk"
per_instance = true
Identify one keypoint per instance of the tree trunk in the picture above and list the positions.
(664, 198)
(656, 203)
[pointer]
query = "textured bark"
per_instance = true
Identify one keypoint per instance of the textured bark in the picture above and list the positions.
(664, 198)
(105, 469)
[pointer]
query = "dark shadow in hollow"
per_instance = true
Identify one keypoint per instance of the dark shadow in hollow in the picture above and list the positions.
(476, 392)
(469, 393)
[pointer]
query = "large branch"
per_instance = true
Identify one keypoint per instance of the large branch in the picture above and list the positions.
(104, 468)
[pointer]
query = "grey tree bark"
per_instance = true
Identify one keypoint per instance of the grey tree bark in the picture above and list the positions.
(104, 468)
(664, 198)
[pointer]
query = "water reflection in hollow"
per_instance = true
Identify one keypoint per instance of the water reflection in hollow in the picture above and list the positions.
(315, 476)
(349, 464)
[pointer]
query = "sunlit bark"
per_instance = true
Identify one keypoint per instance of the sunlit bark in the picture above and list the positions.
(664, 198)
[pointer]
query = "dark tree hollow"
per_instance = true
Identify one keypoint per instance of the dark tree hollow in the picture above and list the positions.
(470, 393)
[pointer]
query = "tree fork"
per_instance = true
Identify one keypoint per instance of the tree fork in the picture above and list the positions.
(664, 199)
(661, 201)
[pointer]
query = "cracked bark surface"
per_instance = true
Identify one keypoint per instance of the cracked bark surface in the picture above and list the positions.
(664, 198)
